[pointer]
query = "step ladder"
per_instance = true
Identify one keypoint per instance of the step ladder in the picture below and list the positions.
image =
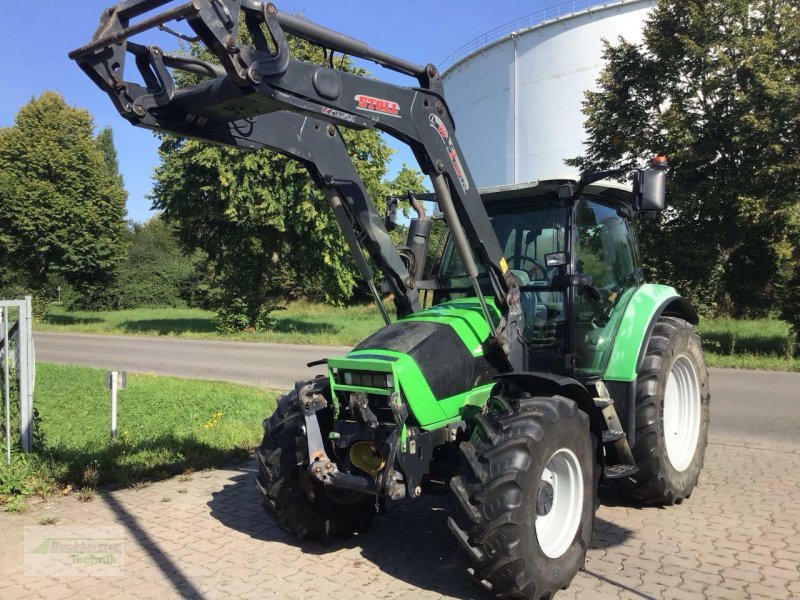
(619, 457)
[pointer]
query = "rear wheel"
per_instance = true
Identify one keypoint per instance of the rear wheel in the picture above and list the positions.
(300, 505)
(526, 501)
(672, 397)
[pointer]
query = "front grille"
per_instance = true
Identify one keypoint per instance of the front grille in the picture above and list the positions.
(377, 403)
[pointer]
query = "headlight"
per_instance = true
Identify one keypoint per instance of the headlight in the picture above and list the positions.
(367, 379)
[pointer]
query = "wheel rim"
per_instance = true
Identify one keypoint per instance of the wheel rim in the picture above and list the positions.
(560, 503)
(681, 413)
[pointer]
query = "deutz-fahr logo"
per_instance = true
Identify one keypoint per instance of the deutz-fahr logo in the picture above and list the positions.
(377, 105)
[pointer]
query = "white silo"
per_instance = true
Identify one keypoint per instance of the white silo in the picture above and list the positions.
(516, 92)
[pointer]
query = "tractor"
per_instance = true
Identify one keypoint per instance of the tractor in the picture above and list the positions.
(527, 365)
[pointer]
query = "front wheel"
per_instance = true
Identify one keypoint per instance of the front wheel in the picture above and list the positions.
(527, 498)
(300, 505)
(672, 398)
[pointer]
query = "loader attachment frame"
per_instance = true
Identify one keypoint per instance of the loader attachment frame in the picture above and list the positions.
(258, 96)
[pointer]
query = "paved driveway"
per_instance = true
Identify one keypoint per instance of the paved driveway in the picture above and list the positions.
(738, 536)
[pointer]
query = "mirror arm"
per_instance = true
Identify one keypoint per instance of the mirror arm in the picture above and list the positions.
(590, 178)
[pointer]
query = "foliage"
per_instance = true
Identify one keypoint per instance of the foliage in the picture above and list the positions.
(235, 315)
(61, 213)
(106, 141)
(266, 229)
(156, 271)
(790, 311)
(716, 86)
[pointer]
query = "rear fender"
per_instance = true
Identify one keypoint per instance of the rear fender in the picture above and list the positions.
(650, 302)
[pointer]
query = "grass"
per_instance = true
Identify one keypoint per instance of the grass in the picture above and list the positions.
(300, 323)
(748, 344)
(751, 344)
(166, 426)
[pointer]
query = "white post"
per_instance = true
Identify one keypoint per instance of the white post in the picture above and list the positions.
(113, 405)
(24, 375)
(7, 390)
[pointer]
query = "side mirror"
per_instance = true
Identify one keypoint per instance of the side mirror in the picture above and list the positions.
(391, 213)
(556, 259)
(649, 190)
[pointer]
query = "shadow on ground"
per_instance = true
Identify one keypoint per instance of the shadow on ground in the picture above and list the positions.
(182, 326)
(168, 326)
(298, 326)
(148, 460)
(730, 343)
(410, 542)
(70, 320)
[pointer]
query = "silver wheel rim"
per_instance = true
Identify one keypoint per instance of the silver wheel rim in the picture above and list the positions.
(556, 530)
(681, 413)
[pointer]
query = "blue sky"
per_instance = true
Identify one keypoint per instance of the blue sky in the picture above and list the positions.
(36, 37)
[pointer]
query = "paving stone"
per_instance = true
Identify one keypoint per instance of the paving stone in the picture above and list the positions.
(725, 542)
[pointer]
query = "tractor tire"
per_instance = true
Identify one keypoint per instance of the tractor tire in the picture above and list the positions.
(672, 398)
(527, 498)
(300, 505)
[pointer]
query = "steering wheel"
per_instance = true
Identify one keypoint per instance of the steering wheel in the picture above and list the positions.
(536, 263)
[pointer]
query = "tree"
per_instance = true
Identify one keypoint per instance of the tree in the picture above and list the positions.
(157, 272)
(716, 86)
(106, 141)
(267, 230)
(61, 214)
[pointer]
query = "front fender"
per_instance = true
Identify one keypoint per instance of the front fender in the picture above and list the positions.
(537, 383)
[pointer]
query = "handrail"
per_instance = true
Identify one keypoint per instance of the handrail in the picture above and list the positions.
(551, 13)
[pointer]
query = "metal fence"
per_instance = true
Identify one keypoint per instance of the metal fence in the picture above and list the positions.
(551, 13)
(18, 364)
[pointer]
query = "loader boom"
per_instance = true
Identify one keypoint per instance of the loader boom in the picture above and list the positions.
(258, 96)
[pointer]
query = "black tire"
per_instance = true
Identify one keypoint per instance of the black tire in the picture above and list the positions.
(658, 481)
(496, 509)
(300, 505)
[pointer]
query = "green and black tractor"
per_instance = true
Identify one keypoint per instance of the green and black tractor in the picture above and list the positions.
(528, 364)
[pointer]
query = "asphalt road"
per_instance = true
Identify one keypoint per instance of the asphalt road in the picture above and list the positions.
(752, 406)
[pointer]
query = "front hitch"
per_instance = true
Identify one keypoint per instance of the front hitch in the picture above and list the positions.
(322, 468)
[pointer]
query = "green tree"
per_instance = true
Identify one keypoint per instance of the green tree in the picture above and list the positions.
(790, 309)
(106, 140)
(716, 86)
(266, 229)
(156, 271)
(61, 215)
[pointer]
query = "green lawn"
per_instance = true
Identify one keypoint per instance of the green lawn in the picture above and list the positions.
(748, 344)
(300, 323)
(166, 426)
(752, 344)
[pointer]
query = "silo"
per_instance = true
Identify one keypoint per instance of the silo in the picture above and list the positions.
(516, 92)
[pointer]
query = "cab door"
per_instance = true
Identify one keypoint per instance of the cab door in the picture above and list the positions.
(604, 249)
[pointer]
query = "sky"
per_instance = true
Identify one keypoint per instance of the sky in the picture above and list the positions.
(35, 38)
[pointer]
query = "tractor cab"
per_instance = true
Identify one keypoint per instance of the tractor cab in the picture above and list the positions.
(577, 263)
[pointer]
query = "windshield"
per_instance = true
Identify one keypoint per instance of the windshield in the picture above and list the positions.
(526, 233)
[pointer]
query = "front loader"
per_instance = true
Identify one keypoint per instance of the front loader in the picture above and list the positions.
(532, 364)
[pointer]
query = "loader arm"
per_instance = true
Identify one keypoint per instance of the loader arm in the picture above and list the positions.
(258, 96)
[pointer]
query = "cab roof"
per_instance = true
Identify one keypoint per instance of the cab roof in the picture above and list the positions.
(547, 187)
